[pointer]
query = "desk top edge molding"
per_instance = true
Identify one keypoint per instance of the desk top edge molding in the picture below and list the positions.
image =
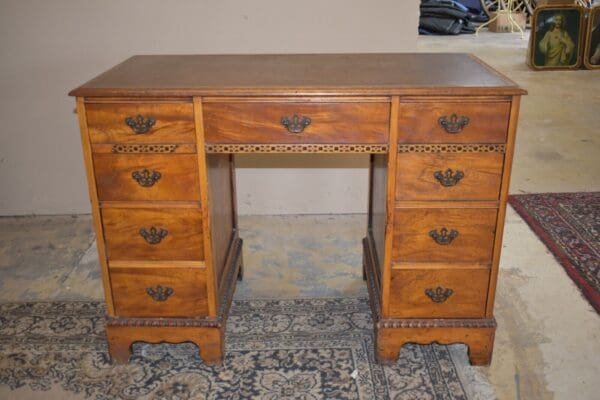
(442, 74)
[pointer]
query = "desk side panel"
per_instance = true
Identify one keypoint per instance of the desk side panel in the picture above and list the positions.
(386, 263)
(378, 209)
(91, 181)
(211, 280)
(221, 208)
(508, 158)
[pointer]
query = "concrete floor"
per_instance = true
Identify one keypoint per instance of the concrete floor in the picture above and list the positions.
(547, 343)
(548, 338)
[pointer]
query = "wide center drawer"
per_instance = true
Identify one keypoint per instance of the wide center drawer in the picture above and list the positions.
(123, 177)
(159, 292)
(453, 121)
(140, 122)
(445, 176)
(444, 235)
(296, 122)
(169, 234)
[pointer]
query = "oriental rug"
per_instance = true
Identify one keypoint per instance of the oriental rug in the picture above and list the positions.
(276, 349)
(569, 225)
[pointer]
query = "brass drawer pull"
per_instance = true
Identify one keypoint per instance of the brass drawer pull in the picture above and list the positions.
(453, 124)
(444, 237)
(153, 235)
(146, 178)
(139, 124)
(296, 124)
(160, 293)
(448, 178)
(439, 294)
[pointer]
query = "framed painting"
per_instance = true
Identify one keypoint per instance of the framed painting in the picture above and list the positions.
(591, 53)
(556, 38)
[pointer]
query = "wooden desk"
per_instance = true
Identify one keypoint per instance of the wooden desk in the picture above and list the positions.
(159, 135)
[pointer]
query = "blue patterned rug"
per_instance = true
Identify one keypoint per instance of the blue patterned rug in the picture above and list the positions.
(276, 349)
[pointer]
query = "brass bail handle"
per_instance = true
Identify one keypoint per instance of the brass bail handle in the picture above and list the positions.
(153, 235)
(444, 237)
(449, 177)
(159, 292)
(146, 178)
(453, 124)
(439, 294)
(295, 124)
(140, 124)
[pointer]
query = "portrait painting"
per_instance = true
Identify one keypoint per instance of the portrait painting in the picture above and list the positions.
(591, 55)
(555, 38)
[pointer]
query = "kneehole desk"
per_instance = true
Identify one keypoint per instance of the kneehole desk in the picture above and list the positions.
(159, 136)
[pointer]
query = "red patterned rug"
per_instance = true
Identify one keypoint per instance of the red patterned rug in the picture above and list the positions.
(569, 224)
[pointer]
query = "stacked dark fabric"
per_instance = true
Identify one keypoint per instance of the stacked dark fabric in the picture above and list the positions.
(450, 17)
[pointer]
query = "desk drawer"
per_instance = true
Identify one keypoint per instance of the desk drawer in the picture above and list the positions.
(444, 235)
(438, 293)
(146, 177)
(443, 176)
(453, 122)
(170, 234)
(159, 292)
(273, 122)
(140, 122)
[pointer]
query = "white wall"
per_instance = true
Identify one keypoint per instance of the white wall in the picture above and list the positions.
(49, 47)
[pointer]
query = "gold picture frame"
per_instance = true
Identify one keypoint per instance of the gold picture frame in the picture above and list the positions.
(557, 34)
(591, 52)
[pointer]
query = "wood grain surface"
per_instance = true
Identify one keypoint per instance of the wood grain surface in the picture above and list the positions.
(488, 121)
(184, 241)
(415, 177)
(210, 341)
(510, 150)
(132, 300)
(93, 194)
(255, 122)
(413, 243)
(388, 245)
(178, 177)
(299, 74)
(479, 340)
(378, 208)
(174, 122)
(355, 99)
(221, 208)
(409, 300)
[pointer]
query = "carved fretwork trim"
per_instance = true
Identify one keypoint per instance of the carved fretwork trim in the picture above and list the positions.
(144, 148)
(199, 322)
(451, 148)
(297, 148)
(437, 323)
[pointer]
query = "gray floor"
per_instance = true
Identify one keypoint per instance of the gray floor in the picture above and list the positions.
(547, 343)
(548, 337)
